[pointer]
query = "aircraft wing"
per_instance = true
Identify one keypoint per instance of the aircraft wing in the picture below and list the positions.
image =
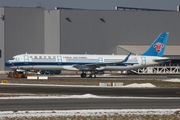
(96, 65)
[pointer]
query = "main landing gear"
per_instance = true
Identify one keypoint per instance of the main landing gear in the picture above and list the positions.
(84, 75)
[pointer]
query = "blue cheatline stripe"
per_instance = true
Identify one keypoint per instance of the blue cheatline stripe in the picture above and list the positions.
(59, 63)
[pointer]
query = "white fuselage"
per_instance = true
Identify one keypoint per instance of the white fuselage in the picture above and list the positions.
(66, 61)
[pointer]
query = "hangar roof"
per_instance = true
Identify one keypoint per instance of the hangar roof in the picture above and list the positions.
(139, 49)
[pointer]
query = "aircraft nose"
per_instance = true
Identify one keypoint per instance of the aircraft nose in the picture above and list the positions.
(7, 64)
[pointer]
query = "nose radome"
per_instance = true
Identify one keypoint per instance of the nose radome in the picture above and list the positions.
(7, 64)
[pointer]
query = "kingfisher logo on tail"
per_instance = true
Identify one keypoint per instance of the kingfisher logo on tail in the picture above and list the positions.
(158, 46)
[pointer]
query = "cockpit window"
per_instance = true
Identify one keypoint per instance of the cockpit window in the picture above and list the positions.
(12, 59)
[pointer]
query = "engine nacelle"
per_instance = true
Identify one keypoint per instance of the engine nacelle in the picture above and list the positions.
(100, 68)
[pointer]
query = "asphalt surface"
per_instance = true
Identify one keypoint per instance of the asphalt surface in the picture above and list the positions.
(162, 93)
(72, 90)
(66, 104)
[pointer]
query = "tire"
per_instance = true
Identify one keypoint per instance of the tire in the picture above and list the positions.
(93, 75)
(83, 75)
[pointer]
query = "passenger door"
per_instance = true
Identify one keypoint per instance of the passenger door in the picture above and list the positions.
(143, 60)
(59, 60)
(100, 60)
(26, 59)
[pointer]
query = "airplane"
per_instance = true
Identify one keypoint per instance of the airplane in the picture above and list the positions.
(87, 62)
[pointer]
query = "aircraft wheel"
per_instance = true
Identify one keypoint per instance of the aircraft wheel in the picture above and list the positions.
(93, 75)
(83, 75)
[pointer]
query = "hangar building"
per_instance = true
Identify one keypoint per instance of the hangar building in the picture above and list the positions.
(76, 31)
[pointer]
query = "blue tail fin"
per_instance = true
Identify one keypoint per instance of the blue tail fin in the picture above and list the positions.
(158, 46)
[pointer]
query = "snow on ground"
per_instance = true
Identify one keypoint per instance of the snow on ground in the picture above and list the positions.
(147, 85)
(92, 112)
(172, 80)
(84, 96)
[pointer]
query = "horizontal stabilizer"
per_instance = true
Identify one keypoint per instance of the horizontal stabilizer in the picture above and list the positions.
(162, 60)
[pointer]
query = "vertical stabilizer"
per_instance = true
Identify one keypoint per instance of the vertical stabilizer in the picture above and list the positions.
(157, 48)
